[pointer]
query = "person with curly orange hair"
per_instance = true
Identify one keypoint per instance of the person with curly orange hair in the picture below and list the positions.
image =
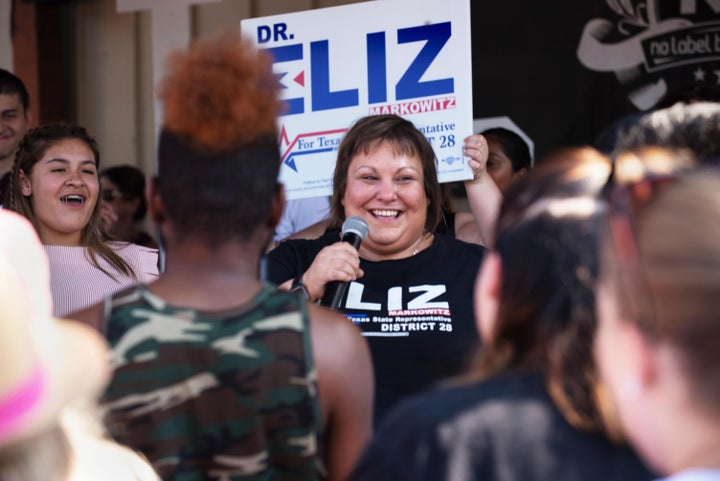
(218, 375)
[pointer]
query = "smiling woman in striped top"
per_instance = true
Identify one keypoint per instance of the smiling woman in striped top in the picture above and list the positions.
(55, 185)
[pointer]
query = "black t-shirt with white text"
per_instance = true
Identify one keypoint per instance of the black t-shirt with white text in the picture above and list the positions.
(416, 313)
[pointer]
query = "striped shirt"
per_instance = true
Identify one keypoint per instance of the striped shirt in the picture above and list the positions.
(77, 284)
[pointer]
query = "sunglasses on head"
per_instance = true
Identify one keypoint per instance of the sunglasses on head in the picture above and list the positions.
(109, 195)
(626, 201)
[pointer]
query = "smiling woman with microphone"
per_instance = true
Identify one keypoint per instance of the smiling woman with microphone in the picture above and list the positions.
(408, 288)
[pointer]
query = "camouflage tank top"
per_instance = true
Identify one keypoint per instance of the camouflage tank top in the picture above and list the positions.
(215, 395)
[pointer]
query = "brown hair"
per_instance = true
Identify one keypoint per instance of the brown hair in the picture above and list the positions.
(11, 84)
(694, 127)
(367, 134)
(31, 149)
(677, 234)
(546, 237)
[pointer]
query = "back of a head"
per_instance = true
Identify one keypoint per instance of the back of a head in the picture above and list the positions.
(678, 301)
(690, 94)
(10, 84)
(546, 237)
(693, 127)
(218, 156)
(515, 148)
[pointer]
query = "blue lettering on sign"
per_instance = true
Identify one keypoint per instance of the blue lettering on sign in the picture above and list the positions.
(322, 97)
(277, 32)
(287, 53)
(377, 67)
(409, 85)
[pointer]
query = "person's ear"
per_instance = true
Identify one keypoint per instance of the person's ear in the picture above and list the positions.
(278, 206)
(25, 184)
(520, 174)
(643, 361)
(156, 207)
(487, 295)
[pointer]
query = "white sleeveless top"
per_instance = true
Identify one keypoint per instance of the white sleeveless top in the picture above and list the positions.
(77, 284)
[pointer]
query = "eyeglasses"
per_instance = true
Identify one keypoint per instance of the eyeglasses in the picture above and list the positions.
(109, 195)
(625, 202)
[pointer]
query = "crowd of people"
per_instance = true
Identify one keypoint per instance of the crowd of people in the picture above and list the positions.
(562, 329)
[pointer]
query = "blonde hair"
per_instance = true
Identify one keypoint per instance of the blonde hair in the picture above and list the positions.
(75, 449)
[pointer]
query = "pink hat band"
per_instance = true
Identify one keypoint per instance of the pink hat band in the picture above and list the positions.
(18, 403)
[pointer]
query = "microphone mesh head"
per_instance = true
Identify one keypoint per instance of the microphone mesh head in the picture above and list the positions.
(357, 225)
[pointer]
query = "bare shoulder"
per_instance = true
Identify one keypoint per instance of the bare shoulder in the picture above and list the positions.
(345, 386)
(333, 332)
(339, 348)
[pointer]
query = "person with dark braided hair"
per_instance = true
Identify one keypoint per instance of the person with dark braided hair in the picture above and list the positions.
(55, 185)
(218, 375)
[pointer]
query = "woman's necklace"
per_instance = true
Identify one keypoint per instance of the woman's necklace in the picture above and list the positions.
(422, 239)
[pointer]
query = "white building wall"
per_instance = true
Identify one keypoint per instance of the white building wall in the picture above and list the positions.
(115, 87)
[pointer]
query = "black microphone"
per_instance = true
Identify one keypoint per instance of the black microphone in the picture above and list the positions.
(354, 230)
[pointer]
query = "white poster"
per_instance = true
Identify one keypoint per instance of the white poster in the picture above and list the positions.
(408, 57)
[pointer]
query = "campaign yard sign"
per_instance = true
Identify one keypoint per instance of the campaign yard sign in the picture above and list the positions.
(337, 64)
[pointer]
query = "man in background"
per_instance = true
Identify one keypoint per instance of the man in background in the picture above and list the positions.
(15, 119)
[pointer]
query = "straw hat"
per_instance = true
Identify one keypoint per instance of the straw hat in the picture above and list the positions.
(47, 363)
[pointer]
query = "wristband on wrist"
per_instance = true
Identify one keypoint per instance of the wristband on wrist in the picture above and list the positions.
(298, 287)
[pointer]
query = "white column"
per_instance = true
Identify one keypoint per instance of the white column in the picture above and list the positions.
(170, 31)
